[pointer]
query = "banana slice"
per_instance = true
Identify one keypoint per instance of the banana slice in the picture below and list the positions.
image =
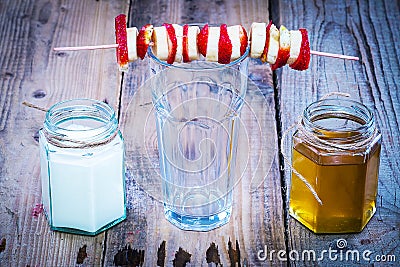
(179, 38)
(160, 40)
(212, 44)
(233, 32)
(132, 33)
(257, 38)
(284, 38)
(295, 45)
(193, 52)
(273, 47)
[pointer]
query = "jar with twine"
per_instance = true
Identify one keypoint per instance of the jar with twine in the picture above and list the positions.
(335, 163)
(82, 167)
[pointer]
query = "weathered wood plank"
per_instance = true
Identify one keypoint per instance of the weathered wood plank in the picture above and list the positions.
(257, 220)
(367, 29)
(31, 71)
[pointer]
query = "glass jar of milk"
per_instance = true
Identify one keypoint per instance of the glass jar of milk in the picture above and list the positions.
(82, 167)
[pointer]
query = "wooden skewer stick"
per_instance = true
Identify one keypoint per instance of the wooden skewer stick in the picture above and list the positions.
(94, 47)
(88, 47)
(324, 54)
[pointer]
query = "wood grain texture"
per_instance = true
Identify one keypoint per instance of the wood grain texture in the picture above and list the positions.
(31, 71)
(367, 29)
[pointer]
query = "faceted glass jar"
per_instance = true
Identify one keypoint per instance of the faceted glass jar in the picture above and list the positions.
(337, 151)
(82, 167)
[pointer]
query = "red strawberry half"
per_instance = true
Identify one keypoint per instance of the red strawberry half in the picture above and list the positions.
(303, 60)
(243, 40)
(172, 43)
(185, 49)
(224, 45)
(281, 59)
(143, 40)
(265, 52)
(202, 39)
(121, 39)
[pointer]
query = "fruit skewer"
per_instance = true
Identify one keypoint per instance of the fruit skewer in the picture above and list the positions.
(174, 43)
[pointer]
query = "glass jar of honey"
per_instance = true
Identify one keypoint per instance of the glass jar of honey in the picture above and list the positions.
(335, 161)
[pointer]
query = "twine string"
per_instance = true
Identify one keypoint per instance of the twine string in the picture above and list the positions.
(334, 147)
(62, 141)
(59, 140)
(30, 105)
(287, 161)
(320, 143)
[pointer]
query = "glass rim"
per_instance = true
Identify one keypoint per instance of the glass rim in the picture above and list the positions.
(68, 105)
(186, 65)
(361, 112)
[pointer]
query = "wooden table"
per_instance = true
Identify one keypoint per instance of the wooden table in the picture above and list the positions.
(31, 71)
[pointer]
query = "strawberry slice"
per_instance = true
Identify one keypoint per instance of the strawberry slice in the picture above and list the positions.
(143, 40)
(185, 48)
(303, 60)
(121, 38)
(202, 39)
(265, 52)
(243, 40)
(172, 42)
(281, 59)
(224, 45)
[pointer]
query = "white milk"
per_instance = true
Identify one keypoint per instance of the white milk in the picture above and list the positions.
(83, 189)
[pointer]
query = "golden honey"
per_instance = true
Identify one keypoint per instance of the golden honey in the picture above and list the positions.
(337, 151)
